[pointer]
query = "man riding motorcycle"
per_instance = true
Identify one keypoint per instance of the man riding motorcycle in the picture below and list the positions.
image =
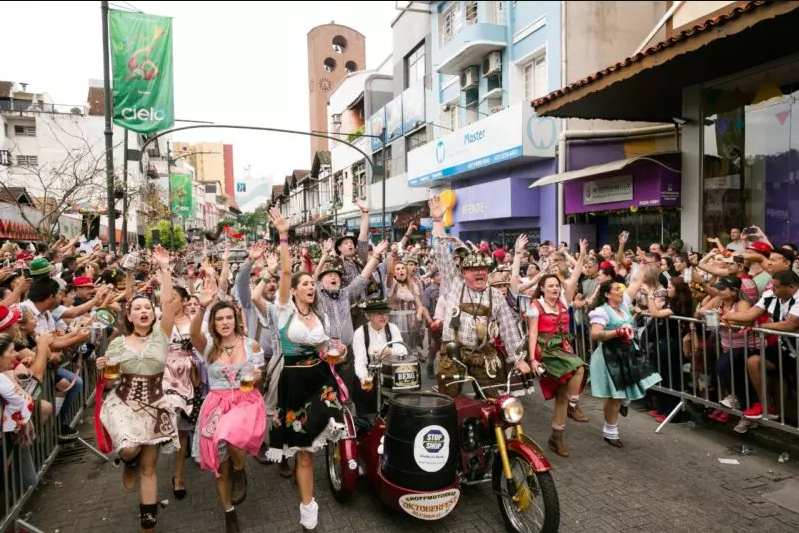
(474, 315)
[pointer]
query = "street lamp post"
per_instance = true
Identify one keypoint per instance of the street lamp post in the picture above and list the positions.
(108, 132)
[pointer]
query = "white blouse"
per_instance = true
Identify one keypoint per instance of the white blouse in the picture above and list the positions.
(377, 339)
(600, 316)
(298, 331)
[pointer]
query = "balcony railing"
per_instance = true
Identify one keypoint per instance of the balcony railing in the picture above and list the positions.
(29, 106)
(455, 21)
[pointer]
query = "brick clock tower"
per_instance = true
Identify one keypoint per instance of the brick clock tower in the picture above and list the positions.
(333, 52)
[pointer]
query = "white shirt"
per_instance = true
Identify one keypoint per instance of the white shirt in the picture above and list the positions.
(44, 321)
(784, 310)
(377, 339)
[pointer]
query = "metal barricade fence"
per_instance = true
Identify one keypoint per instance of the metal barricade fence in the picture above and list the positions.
(26, 464)
(720, 367)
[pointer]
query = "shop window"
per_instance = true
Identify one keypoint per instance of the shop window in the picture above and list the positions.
(751, 155)
(414, 65)
(416, 139)
(378, 159)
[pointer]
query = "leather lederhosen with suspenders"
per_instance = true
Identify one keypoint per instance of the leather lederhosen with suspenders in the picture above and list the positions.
(483, 362)
(366, 401)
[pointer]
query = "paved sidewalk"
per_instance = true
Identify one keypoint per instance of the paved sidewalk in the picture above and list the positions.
(668, 482)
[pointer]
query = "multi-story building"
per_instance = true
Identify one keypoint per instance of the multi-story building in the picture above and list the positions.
(488, 60)
(211, 162)
(713, 69)
(56, 152)
(334, 51)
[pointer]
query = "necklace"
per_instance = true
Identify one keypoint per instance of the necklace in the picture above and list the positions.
(305, 315)
(229, 349)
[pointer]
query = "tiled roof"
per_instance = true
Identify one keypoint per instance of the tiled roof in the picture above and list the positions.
(708, 25)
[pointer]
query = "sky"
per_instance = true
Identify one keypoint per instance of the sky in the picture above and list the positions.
(234, 62)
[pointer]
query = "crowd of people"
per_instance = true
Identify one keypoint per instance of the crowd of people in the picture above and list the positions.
(258, 358)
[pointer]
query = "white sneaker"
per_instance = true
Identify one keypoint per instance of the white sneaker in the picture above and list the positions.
(745, 425)
(309, 515)
(731, 401)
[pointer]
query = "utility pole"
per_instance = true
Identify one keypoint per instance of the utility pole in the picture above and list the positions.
(169, 162)
(125, 195)
(109, 132)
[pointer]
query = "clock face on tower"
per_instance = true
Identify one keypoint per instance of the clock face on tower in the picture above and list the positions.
(325, 84)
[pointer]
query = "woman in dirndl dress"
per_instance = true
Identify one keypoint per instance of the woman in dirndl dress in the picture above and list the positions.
(619, 370)
(137, 416)
(232, 422)
(182, 377)
(549, 340)
(309, 413)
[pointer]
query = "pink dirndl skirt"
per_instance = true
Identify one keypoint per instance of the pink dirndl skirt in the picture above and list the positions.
(230, 417)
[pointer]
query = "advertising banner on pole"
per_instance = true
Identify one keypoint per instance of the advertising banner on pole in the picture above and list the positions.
(141, 58)
(180, 189)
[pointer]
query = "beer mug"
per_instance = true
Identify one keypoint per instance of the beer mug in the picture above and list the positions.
(111, 372)
(712, 319)
(130, 261)
(247, 381)
(334, 352)
(368, 382)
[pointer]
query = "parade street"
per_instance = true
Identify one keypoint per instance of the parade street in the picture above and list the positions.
(668, 482)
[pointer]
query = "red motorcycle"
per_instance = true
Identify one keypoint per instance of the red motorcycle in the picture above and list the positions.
(422, 447)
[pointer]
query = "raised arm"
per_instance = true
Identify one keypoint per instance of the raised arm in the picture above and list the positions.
(404, 242)
(623, 237)
(363, 236)
(224, 275)
(258, 299)
(444, 260)
(161, 257)
(207, 297)
(635, 283)
(515, 269)
(282, 226)
(243, 277)
(705, 266)
(570, 287)
(326, 251)
(374, 261)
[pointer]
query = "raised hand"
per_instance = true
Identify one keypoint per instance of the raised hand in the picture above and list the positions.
(436, 211)
(161, 257)
(226, 255)
(624, 237)
(280, 223)
(257, 251)
(272, 261)
(328, 247)
(361, 204)
(209, 293)
(521, 243)
(583, 246)
(381, 247)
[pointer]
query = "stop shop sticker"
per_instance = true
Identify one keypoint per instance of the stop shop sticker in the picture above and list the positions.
(431, 448)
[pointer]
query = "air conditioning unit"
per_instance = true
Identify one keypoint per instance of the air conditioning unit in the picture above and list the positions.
(337, 119)
(492, 63)
(469, 78)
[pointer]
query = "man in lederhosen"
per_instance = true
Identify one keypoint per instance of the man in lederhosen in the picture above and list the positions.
(474, 315)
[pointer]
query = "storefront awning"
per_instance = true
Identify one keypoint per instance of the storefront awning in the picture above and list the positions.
(648, 86)
(662, 159)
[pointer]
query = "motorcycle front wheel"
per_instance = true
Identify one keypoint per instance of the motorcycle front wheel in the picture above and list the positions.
(535, 507)
(334, 473)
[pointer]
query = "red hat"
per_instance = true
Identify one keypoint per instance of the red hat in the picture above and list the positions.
(24, 256)
(606, 264)
(82, 281)
(499, 255)
(761, 248)
(8, 317)
(483, 247)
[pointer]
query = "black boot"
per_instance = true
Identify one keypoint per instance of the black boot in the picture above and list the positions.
(231, 521)
(148, 515)
(238, 491)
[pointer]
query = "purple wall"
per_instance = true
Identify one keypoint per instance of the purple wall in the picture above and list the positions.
(508, 201)
(653, 185)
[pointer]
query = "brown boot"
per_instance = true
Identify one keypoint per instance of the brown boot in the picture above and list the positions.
(556, 443)
(231, 522)
(576, 414)
(238, 491)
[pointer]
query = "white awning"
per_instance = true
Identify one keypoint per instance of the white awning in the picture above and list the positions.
(607, 168)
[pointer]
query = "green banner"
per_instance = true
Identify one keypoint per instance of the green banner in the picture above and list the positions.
(141, 52)
(180, 190)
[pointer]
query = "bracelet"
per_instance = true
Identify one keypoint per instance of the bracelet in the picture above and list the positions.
(365, 211)
(283, 240)
(437, 219)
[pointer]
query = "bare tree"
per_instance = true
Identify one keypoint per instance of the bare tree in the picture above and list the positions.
(75, 176)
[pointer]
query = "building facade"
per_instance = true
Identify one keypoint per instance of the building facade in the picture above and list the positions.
(489, 60)
(730, 93)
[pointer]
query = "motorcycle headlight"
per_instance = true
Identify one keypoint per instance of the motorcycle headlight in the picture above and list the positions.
(512, 411)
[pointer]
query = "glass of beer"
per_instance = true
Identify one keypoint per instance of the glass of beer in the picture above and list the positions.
(334, 352)
(368, 383)
(247, 382)
(111, 372)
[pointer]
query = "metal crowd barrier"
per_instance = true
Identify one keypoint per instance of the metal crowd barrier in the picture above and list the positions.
(696, 369)
(26, 466)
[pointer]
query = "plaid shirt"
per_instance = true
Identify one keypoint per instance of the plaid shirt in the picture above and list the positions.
(352, 269)
(452, 286)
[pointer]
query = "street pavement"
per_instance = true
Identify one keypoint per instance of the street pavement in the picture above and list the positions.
(668, 482)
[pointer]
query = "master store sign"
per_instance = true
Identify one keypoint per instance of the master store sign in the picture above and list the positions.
(513, 133)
